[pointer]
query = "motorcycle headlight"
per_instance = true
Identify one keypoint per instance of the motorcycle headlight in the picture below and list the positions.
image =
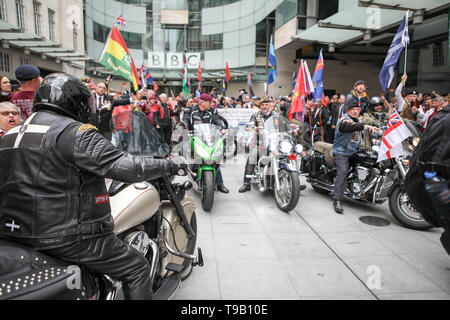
(202, 153)
(299, 149)
(285, 147)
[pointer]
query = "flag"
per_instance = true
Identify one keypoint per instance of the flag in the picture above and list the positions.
(298, 101)
(250, 84)
(184, 72)
(224, 85)
(141, 73)
(228, 73)
(117, 57)
(318, 79)
(303, 88)
(199, 77)
(400, 42)
(91, 85)
(120, 21)
(397, 132)
(294, 80)
(197, 94)
(148, 77)
(155, 87)
(273, 63)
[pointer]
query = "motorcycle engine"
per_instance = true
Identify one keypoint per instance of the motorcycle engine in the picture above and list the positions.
(140, 241)
(360, 179)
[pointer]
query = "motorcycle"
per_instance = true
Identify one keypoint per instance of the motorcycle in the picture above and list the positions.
(277, 170)
(154, 217)
(368, 181)
(207, 149)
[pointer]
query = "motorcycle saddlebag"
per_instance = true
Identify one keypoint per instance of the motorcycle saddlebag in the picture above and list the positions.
(26, 274)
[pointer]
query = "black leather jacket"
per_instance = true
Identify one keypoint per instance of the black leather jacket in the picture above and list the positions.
(197, 117)
(52, 187)
(102, 118)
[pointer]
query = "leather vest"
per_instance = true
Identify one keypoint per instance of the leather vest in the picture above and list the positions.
(45, 200)
(347, 143)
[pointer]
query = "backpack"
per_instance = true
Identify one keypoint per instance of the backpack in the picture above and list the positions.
(432, 154)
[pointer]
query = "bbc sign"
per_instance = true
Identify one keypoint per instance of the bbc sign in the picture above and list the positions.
(172, 60)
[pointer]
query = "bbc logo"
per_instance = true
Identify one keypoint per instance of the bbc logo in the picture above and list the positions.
(172, 60)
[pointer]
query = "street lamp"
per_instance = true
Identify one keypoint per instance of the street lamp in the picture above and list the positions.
(332, 47)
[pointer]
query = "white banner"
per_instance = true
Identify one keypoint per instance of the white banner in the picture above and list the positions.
(237, 117)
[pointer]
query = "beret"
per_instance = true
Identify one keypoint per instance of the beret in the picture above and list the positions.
(27, 72)
(206, 97)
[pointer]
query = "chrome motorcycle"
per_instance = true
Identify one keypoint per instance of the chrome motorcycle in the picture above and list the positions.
(276, 169)
(368, 181)
(154, 217)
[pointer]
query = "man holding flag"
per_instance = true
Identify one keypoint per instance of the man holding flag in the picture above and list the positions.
(347, 142)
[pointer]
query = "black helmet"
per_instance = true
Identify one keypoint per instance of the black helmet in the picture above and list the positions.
(66, 95)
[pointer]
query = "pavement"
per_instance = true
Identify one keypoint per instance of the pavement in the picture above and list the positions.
(254, 251)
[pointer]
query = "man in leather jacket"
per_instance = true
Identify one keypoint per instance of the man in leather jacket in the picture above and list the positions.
(53, 196)
(359, 96)
(258, 120)
(205, 114)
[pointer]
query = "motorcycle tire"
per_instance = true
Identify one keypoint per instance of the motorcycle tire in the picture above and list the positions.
(294, 186)
(403, 217)
(192, 242)
(320, 190)
(208, 190)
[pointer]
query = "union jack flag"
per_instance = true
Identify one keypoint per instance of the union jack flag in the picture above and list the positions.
(120, 21)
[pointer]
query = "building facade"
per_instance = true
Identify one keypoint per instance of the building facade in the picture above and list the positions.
(46, 33)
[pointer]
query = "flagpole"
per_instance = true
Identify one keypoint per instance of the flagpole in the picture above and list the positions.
(406, 49)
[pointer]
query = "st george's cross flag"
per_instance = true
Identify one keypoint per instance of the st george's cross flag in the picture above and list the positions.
(397, 132)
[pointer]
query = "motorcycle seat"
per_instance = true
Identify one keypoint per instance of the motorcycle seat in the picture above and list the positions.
(327, 150)
(26, 274)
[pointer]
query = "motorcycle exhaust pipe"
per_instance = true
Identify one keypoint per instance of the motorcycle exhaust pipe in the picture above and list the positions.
(155, 259)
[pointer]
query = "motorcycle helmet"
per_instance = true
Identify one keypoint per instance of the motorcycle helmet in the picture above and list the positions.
(375, 101)
(66, 95)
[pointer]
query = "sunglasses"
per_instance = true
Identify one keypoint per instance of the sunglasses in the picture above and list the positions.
(7, 113)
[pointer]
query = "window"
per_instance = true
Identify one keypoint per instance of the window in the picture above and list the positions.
(327, 8)
(302, 14)
(5, 65)
(51, 25)
(24, 60)
(75, 36)
(20, 14)
(438, 54)
(37, 17)
(2, 10)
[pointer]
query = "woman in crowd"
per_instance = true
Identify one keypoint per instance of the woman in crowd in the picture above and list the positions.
(5, 89)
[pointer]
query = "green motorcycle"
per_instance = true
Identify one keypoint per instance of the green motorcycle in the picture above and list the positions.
(209, 149)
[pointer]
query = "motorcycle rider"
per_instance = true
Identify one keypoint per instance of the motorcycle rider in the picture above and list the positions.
(258, 120)
(346, 143)
(376, 117)
(54, 199)
(205, 114)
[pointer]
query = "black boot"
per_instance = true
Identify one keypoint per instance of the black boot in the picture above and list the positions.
(223, 189)
(338, 207)
(302, 187)
(245, 188)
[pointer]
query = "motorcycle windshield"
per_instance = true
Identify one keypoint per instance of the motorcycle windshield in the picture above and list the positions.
(275, 132)
(208, 133)
(134, 133)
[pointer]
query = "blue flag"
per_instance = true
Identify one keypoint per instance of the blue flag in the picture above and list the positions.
(250, 84)
(318, 78)
(272, 62)
(401, 41)
(294, 81)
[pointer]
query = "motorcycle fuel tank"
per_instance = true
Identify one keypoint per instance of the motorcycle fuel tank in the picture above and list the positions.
(134, 205)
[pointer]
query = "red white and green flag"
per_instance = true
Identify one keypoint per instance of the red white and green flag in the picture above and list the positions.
(117, 57)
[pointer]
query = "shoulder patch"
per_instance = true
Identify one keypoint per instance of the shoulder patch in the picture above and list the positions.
(85, 127)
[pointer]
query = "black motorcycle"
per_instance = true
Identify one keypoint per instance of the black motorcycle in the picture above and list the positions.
(368, 181)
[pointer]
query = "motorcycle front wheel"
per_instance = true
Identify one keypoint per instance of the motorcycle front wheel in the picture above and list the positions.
(208, 190)
(289, 194)
(403, 211)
